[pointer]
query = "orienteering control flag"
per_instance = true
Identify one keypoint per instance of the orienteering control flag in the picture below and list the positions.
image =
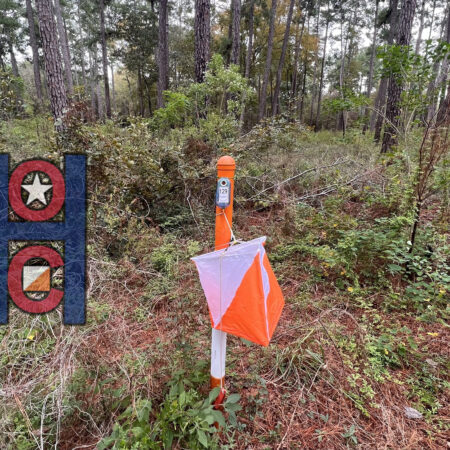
(243, 295)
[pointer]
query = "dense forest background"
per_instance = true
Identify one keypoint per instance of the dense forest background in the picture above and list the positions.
(325, 63)
(337, 114)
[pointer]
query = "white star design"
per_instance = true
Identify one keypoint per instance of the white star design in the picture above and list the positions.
(37, 190)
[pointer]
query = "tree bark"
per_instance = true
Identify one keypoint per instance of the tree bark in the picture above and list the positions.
(340, 121)
(64, 47)
(99, 100)
(276, 95)
(248, 58)
(421, 23)
(34, 50)
(314, 81)
(322, 68)
(149, 98)
(378, 114)
(251, 26)
(163, 53)
(202, 29)
(93, 82)
(395, 88)
(445, 63)
(12, 57)
(371, 64)
(105, 59)
(384, 81)
(235, 31)
(442, 73)
(301, 105)
(113, 87)
(53, 67)
(298, 45)
(83, 70)
(141, 94)
(267, 70)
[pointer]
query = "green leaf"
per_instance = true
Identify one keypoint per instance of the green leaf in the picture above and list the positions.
(218, 417)
(394, 268)
(233, 398)
(213, 394)
(202, 438)
(168, 439)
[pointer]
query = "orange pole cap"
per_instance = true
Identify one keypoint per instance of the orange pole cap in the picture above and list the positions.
(226, 164)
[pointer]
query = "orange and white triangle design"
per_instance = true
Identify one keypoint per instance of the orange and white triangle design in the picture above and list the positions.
(36, 278)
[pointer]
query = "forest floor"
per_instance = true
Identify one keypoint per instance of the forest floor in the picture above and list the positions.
(360, 338)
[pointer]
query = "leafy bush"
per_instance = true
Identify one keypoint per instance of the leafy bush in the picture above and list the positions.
(183, 418)
(212, 105)
(174, 113)
(11, 91)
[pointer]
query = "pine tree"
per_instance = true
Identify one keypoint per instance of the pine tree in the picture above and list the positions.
(235, 31)
(276, 94)
(64, 47)
(390, 136)
(52, 58)
(202, 30)
(34, 51)
(163, 53)
(267, 70)
(105, 59)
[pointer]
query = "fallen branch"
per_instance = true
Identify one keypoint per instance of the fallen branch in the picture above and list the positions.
(313, 169)
(332, 187)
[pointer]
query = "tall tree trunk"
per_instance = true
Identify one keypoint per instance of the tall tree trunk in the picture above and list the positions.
(421, 23)
(149, 97)
(267, 70)
(93, 83)
(248, 58)
(322, 68)
(298, 44)
(130, 96)
(83, 70)
(96, 87)
(15, 72)
(12, 57)
(101, 112)
(341, 116)
(202, 29)
(371, 64)
(445, 63)
(113, 88)
(236, 31)
(52, 58)
(393, 6)
(276, 95)
(377, 118)
(395, 88)
(34, 50)
(314, 81)
(433, 10)
(105, 59)
(303, 93)
(64, 47)
(442, 74)
(163, 53)
(141, 94)
(295, 62)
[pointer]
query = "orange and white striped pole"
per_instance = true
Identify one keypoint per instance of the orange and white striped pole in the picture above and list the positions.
(225, 169)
